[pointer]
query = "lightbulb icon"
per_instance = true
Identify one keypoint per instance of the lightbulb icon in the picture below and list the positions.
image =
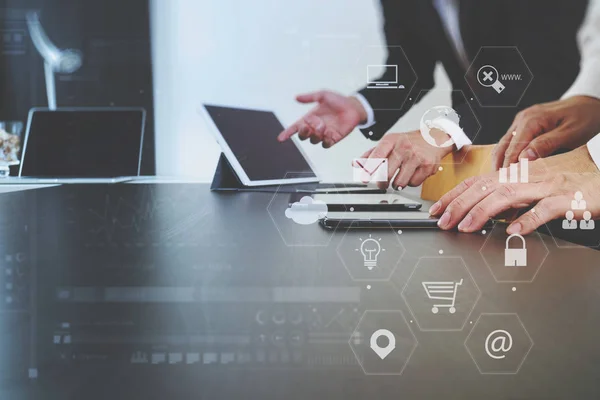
(370, 249)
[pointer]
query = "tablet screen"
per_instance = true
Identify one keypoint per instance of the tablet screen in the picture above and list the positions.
(252, 137)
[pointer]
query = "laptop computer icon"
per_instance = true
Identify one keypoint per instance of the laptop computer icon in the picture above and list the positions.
(389, 79)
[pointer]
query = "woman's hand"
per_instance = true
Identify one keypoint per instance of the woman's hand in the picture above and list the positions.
(552, 185)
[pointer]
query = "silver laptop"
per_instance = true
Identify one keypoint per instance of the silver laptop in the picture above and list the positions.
(82, 145)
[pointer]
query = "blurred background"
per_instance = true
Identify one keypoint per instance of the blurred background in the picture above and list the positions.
(170, 56)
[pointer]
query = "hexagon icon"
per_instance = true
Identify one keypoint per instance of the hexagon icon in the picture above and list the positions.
(296, 217)
(441, 293)
(499, 76)
(576, 227)
(498, 343)
(519, 173)
(513, 258)
(466, 117)
(370, 254)
(573, 239)
(383, 342)
(392, 81)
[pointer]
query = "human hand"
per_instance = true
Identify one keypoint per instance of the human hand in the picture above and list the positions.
(544, 128)
(410, 155)
(330, 121)
(552, 185)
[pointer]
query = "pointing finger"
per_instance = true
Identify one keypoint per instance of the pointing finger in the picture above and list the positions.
(500, 149)
(288, 133)
(504, 198)
(544, 211)
(311, 97)
(546, 144)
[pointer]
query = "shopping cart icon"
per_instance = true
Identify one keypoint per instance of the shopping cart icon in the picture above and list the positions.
(442, 291)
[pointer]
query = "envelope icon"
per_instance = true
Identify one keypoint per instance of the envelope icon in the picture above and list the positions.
(370, 170)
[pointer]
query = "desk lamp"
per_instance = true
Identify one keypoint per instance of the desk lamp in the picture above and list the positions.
(65, 61)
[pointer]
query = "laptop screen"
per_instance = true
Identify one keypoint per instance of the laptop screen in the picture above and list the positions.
(83, 143)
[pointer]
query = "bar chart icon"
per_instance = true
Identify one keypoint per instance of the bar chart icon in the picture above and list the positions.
(515, 173)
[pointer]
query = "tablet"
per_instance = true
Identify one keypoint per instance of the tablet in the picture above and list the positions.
(357, 220)
(400, 220)
(248, 138)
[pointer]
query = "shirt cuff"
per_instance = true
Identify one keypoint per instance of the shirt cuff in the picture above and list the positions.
(593, 147)
(587, 82)
(369, 110)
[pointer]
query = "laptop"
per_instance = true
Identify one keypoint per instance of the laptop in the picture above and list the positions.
(375, 80)
(82, 145)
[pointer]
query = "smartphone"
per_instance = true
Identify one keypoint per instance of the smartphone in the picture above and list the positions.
(362, 202)
(404, 219)
(351, 190)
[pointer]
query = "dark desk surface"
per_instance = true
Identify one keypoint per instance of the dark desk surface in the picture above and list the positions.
(171, 291)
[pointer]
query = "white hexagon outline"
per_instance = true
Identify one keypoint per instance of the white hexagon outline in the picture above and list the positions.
(495, 223)
(573, 246)
(330, 233)
(472, 112)
(525, 281)
(470, 311)
(409, 91)
(570, 246)
(532, 343)
(392, 271)
(524, 63)
(414, 347)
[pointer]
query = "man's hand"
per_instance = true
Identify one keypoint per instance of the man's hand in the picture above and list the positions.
(553, 183)
(540, 130)
(330, 121)
(410, 155)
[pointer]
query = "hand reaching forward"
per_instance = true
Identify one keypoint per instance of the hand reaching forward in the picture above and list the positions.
(329, 122)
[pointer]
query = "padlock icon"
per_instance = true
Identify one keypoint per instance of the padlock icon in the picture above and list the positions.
(515, 257)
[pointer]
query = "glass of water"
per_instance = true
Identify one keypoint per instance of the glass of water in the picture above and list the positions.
(10, 145)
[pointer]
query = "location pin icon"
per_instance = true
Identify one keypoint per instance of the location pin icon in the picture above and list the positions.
(383, 352)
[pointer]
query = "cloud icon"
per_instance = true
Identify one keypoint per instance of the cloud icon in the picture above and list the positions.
(306, 211)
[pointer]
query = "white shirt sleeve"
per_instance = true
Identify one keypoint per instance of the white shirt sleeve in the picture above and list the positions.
(587, 82)
(370, 113)
(594, 149)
